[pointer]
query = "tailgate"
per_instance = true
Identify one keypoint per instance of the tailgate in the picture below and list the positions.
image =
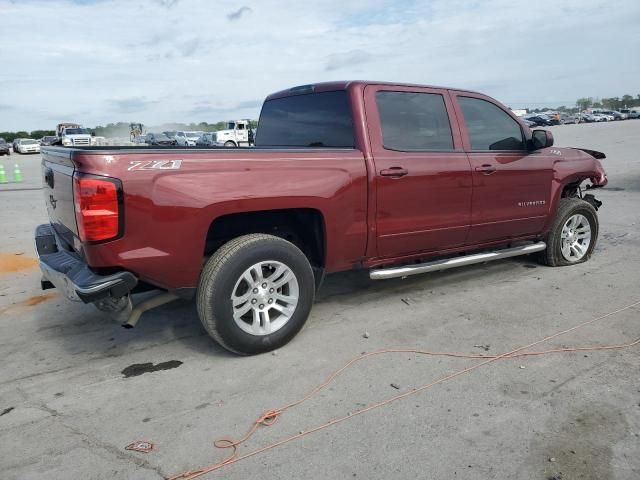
(57, 185)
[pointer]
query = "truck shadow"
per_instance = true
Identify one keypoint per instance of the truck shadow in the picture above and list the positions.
(88, 334)
(356, 285)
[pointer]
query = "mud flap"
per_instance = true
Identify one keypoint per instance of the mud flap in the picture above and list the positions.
(592, 200)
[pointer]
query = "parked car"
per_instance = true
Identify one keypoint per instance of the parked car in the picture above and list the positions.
(539, 120)
(567, 118)
(27, 145)
(48, 140)
(207, 140)
(427, 179)
(140, 139)
(187, 139)
(554, 117)
(170, 133)
(611, 114)
(5, 149)
(15, 142)
(630, 113)
(159, 139)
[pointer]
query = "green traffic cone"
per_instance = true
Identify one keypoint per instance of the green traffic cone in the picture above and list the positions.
(3, 176)
(17, 174)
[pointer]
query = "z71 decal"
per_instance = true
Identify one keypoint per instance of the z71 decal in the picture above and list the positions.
(154, 165)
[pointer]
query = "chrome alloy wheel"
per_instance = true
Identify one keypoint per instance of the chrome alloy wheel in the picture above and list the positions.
(265, 297)
(575, 238)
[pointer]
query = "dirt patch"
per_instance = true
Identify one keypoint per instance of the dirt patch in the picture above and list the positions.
(16, 262)
(581, 446)
(37, 299)
(29, 302)
(140, 368)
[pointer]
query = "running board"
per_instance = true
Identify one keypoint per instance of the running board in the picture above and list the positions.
(447, 263)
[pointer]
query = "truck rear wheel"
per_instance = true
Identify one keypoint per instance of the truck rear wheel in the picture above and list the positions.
(255, 293)
(573, 234)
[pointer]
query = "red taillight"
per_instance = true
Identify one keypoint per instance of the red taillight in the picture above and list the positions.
(97, 208)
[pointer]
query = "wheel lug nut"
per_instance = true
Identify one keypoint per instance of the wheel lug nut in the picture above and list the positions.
(264, 285)
(271, 290)
(271, 300)
(255, 290)
(262, 305)
(254, 301)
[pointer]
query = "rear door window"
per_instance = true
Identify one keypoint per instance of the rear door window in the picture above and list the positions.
(320, 119)
(414, 121)
(490, 127)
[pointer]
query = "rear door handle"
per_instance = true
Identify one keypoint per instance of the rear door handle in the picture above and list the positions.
(394, 172)
(486, 169)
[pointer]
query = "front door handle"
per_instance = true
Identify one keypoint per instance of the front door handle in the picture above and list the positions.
(486, 169)
(394, 172)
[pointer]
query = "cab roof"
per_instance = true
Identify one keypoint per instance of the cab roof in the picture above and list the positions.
(347, 85)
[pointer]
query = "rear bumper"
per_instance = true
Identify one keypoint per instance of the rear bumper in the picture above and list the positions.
(70, 274)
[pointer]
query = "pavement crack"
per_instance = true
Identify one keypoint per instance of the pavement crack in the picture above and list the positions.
(113, 450)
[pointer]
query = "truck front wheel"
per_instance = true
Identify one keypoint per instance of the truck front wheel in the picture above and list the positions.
(255, 293)
(573, 234)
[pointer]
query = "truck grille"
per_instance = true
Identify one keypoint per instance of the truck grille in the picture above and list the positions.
(81, 141)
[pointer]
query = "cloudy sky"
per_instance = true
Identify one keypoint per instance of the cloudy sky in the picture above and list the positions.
(155, 61)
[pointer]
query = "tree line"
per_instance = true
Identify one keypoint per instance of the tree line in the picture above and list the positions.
(613, 103)
(37, 134)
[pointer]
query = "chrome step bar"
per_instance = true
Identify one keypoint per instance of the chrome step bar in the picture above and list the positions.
(447, 263)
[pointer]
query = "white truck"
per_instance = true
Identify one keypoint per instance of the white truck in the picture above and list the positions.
(73, 135)
(235, 135)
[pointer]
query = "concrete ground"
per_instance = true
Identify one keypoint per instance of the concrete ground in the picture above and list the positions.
(68, 411)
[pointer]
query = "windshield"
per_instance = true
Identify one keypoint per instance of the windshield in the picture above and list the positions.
(28, 142)
(160, 136)
(76, 131)
(2, 140)
(193, 134)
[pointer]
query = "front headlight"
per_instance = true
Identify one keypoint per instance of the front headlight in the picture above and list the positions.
(66, 141)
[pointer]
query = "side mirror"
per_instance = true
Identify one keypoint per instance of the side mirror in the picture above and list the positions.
(541, 139)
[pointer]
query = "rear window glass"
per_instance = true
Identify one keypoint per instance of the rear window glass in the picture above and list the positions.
(313, 120)
(414, 121)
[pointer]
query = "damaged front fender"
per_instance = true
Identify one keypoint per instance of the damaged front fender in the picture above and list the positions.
(593, 153)
(595, 203)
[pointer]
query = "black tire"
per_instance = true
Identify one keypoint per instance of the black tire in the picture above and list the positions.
(568, 207)
(219, 277)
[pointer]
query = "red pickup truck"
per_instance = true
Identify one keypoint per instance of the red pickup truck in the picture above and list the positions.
(399, 179)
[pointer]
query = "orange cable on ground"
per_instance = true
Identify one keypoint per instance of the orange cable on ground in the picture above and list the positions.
(270, 417)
